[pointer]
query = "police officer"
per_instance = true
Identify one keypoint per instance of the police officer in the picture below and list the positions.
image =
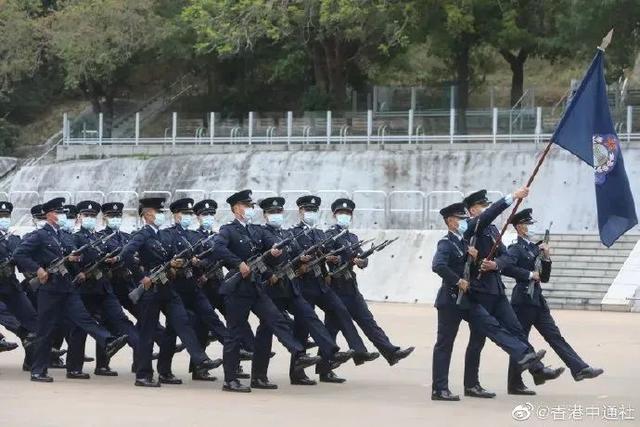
(533, 310)
(157, 297)
(97, 294)
(56, 297)
(179, 238)
(237, 244)
(346, 285)
(11, 292)
(487, 288)
(317, 293)
(210, 277)
(449, 263)
(288, 298)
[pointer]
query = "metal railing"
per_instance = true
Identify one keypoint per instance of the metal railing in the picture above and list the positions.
(400, 209)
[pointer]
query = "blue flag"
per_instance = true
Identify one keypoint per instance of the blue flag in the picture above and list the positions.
(586, 130)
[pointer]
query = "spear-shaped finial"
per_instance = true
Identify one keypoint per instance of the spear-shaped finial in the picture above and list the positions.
(606, 40)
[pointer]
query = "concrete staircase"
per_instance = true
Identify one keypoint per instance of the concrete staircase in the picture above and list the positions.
(583, 269)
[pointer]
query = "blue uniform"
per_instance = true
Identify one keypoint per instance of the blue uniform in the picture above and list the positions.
(57, 298)
(191, 295)
(11, 292)
(152, 253)
(317, 293)
(99, 299)
(535, 311)
(487, 289)
(211, 289)
(288, 298)
(345, 285)
(448, 262)
(234, 244)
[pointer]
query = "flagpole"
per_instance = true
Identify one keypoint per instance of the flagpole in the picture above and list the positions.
(515, 208)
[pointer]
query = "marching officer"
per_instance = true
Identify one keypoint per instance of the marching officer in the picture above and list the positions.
(179, 238)
(317, 293)
(288, 298)
(237, 244)
(449, 263)
(532, 309)
(157, 297)
(487, 288)
(11, 292)
(97, 295)
(211, 277)
(57, 298)
(346, 286)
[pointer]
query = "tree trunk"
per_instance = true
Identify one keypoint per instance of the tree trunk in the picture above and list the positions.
(516, 62)
(319, 68)
(108, 114)
(336, 72)
(462, 93)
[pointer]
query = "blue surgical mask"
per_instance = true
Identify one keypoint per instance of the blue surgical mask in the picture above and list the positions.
(62, 217)
(159, 219)
(343, 220)
(207, 222)
(310, 217)
(5, 223)
(68, 225)
(185, 221)
(114, 222)
(275, 220)
(249, 214)
(89, 223)
(462, 226)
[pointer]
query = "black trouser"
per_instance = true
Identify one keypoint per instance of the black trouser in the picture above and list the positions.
(163, 298)
(540, 317)
(449, 318)
(238, 309)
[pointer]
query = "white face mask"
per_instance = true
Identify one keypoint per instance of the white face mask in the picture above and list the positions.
(68, 225)
(185, 221)
(88, 223)
(114, 222)
(249, 214)
(207, 222)
(275, 220)
(343, 220)
(62, 217)
(5, 223)
(310, 217)
(158, 219)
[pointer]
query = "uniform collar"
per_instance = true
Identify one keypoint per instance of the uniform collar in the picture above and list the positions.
(152, 228)
(454, 235)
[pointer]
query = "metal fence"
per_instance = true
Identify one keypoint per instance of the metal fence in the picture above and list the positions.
(398, 209)
(404, 127)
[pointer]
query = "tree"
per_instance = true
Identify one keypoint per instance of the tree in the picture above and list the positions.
(341, 38)
(21, 46)
(526, 28)
(456, 30)
(100, 43)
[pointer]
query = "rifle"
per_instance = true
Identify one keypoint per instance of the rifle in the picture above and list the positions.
(158, 275)
(466, 274)
(58, 265)
(94, 270)
(538, 262)
(289, 267)
(374, 248)
(257, 264)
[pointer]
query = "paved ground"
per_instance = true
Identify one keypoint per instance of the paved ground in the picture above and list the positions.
(375, 395)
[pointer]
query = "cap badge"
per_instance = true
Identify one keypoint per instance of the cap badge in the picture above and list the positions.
(206, 205)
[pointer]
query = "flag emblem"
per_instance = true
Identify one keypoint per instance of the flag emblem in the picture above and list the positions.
(605, 155)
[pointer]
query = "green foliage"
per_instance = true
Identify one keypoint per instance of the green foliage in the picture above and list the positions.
(8, 136)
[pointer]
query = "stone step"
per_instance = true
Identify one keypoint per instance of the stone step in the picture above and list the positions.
(573, 279)
(591, 245)
(582, 265)
(597, 287)
(583, 272)
(590, 258)
(591, 252)
(593, 237)
(575, 293)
